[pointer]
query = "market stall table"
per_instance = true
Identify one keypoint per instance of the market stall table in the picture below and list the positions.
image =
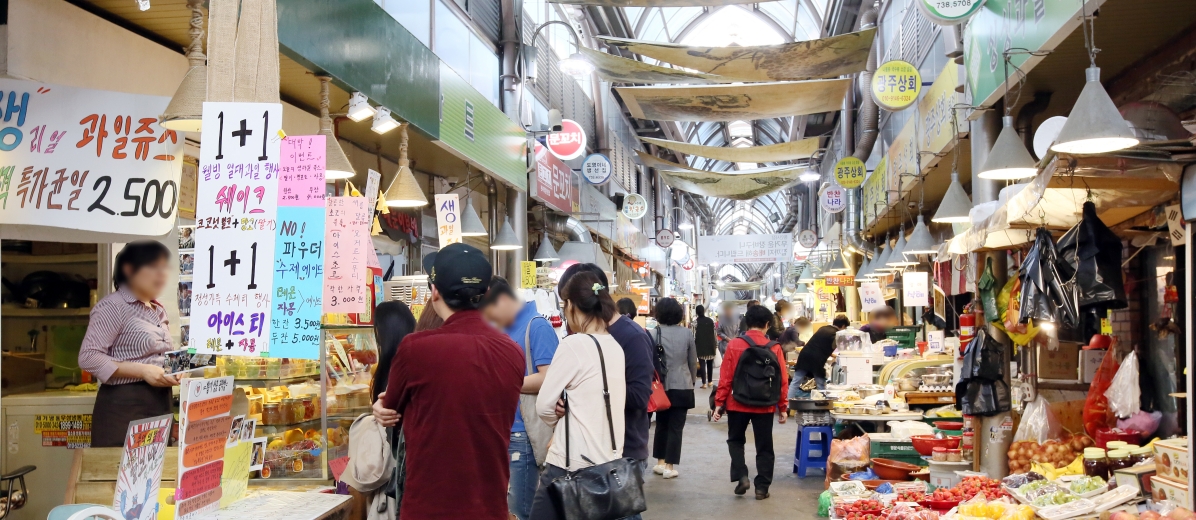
(853, 418)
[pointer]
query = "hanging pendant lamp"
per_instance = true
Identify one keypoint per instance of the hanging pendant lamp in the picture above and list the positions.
(1094, 125)
(956, 204)
(471, 224)
(837, 266)
(1009, 159)
(865, 272)
(880, 264)
(506, 239)
(920, 241)
(546, 253)
(404, 190)
(336, 163)
(897, 256)
(185, 111)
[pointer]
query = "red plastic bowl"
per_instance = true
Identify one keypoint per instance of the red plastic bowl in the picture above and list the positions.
(925, 444)
(949, 425)
(889, 469)
(939, 505)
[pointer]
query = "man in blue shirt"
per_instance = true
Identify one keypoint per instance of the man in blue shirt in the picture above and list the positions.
(524, 324)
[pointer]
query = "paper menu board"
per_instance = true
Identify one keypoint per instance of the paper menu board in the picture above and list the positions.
(204, 424)
(347, 241)
(448, 219)
(140, 472)
(299, 250)
(235, 225)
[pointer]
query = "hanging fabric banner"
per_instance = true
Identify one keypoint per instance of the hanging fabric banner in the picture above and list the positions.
(299, 249)
(235, 224)
(731, 102)
(787, 151)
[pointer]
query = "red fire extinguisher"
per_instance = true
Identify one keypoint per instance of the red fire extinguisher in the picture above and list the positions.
(967, 330)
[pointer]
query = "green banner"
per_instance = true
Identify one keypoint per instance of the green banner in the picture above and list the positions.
(1023, 25)
(475, 130)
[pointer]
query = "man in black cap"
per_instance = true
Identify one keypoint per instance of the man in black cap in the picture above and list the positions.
(455, 389)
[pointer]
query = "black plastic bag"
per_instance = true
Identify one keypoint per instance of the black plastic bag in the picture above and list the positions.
(1045, 297)
(1092, 254)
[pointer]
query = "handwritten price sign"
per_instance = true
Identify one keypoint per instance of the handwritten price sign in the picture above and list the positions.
(347, 235)
(916, 289)
(448, 219)
(871, 298)
(299, 250)
(201, 461)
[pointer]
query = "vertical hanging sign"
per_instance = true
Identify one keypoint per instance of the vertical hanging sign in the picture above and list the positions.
(235, 222)
(346, 237)
(448, 219)
(915, 287)
(299, 249)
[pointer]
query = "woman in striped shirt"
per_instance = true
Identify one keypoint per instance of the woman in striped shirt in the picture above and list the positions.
(125, 342)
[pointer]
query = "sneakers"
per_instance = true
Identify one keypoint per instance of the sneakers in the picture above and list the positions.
(761, 495)
(743, 486)
(670, 473)
(658, 469)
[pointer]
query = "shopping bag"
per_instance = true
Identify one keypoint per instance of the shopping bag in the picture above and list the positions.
(1124, 394)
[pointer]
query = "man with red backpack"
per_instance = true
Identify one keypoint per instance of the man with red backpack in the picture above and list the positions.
(750, 393)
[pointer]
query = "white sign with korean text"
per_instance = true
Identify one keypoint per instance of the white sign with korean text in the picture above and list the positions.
(834, 199)
(807, 238)
(235, 225)
(372, 180)
(915, 287)
(744, 249)
(635, 206)
(86, 159)
(448, 219)
(665, 238)
(596, 169)
(871, 298)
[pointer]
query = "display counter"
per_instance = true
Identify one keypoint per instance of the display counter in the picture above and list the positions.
(43, 429)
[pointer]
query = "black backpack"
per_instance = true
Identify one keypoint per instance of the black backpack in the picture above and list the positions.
(757, 380)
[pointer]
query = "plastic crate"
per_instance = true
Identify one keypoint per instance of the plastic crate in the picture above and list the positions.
(814, 418)
(883, 446)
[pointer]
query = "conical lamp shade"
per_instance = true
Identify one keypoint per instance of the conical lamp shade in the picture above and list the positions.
(404, 190)
(920, 241)
(837, 266)
(865, 269)
(881, 265)
(336, 163)
(1094, 125)
(471, 224)
(897, 257)
(546, 253)
(956, 204)
(185, 111)
(1009, 159)
(506, 239)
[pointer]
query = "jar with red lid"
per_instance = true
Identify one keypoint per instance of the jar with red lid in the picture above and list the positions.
(954, 455)
(939, 454)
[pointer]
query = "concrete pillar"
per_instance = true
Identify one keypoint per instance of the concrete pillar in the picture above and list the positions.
(517, 211)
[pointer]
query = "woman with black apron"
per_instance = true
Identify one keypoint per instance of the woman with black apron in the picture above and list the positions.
(125, 342)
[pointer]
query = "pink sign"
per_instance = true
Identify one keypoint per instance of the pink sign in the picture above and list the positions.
(553, 183)
(301, 171)
(347, 244)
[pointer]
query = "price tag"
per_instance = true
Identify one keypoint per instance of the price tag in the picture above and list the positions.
(527, 274)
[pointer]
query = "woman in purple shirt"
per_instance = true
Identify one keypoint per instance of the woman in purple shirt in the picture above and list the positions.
(125, 342)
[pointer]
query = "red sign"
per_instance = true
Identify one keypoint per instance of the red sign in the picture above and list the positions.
(569, 143)
(840, 281)
(553, 183)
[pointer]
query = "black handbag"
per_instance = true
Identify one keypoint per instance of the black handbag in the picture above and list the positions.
(607, 491)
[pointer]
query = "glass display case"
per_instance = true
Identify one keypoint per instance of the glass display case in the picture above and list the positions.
(304, 407)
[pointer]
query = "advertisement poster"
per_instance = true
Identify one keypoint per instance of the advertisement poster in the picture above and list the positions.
(63, 431)
(204, 426)
(140, 472)
(347, 239)
(236, 219)
(86, 159)
(299, 249)
(744, 249)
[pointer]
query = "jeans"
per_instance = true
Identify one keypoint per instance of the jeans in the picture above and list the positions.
(798, 376)
(737, 423)
(524, 476)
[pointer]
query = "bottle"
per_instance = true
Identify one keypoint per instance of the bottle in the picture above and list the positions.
(1096, 464)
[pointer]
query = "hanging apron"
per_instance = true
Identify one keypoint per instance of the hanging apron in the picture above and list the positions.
(118, 405)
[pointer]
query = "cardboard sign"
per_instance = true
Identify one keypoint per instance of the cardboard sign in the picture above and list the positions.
(527, 275)
(235, 224)
(85, 159)
(201, 399)
(140, 471)
(347, 239)
(871, 298)
(448, 219)
(915, 287)
(299, 249)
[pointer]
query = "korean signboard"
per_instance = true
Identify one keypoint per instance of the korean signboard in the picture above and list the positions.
(849, 172)
(839, 280)
(915, 288)
(299, 249)
(448, 218)
(635, 206)
(569, 143)
(873, 195)
(896, 85)
(597, 169)
(833, 199)
(85, 159)
(871, 298)
(744, 249)
(347, 236)
(235, 226)
(553, 182)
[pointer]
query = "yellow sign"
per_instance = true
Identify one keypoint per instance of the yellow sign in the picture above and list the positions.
(896, 85)
(874, 195)
(938, 130)
(61, 422)
(417, 310)
(840, 281)
(1106, 325)
(527, 278)
(850, 172)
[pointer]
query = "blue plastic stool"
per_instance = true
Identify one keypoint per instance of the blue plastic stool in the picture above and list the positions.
(811, 439)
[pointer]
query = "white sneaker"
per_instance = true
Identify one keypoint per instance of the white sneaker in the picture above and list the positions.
(670, 473)
(658, 469)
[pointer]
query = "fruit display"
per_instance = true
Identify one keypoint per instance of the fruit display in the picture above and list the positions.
(1057, 497)
(1056, 452)
(1087, 484)
(971, 486)
(860, 508)
(866, 516)
(911, 496)
(908, 512)
(1018, 480)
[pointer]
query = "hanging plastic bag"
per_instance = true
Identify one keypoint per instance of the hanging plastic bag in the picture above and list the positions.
(1096, 406)
(1124, 394)
(1039, 423)
(988, 294)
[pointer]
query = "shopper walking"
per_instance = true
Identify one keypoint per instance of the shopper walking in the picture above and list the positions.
(680, 359)
(704, 338)
(753, 398)
(780, 319)
(455, 389)
(811, 362)
(529, 435)
(728, 328)
(587, 380)
(124, 345)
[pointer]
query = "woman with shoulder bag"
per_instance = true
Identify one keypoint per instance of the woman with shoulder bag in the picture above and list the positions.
(680, 358)
(587, 381)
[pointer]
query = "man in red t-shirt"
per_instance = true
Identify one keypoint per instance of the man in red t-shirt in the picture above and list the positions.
(456, 389)
(757, 320)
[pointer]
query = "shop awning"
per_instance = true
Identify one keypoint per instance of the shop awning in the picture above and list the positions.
(622, 70)
(825, 58)
(735, 102)
(1121, 188)
(744, 185)
(788, 151)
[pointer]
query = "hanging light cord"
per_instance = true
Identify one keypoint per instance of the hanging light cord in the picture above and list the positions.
(1088, 23)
